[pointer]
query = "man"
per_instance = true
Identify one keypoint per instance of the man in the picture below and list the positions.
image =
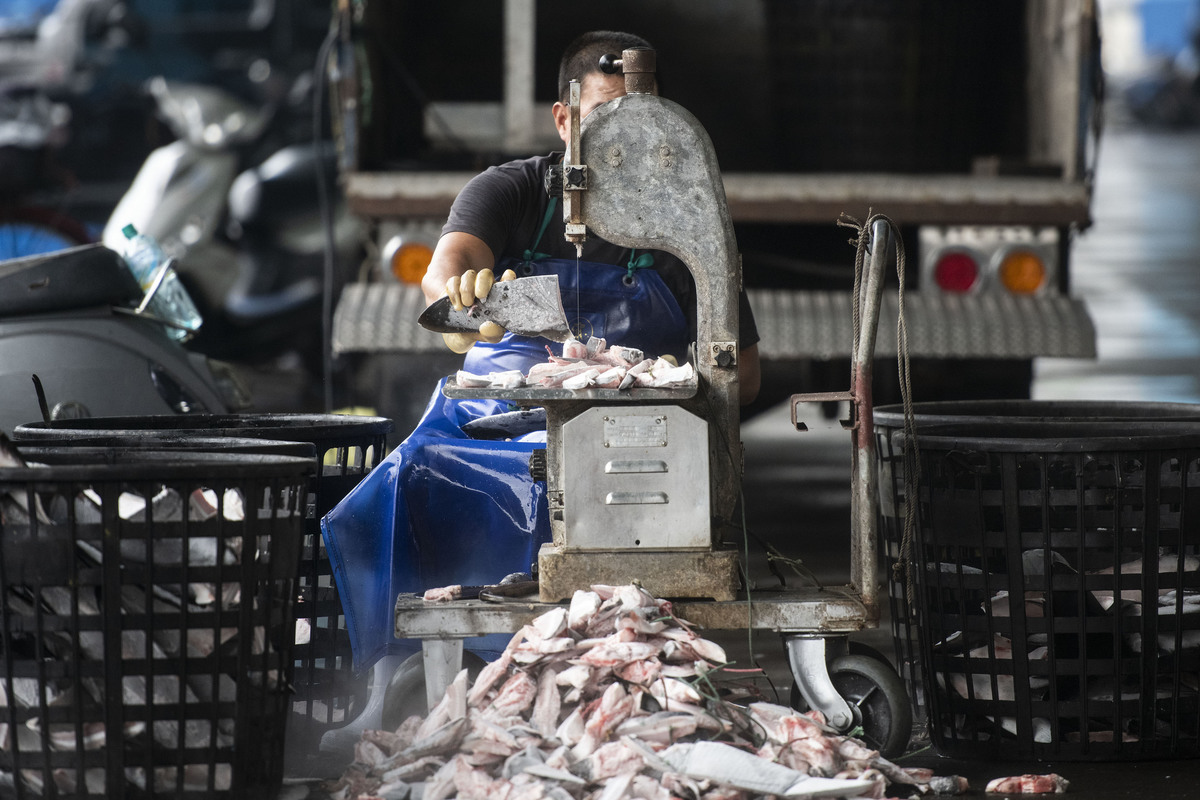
(504, 219)
(445, 508)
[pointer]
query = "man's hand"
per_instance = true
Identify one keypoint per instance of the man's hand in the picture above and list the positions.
(463, 291)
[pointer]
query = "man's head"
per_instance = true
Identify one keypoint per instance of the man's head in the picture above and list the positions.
(581, 62)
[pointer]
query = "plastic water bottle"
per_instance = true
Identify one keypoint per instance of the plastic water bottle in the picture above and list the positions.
(171, 302)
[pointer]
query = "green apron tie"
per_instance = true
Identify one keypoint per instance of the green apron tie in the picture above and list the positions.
(531, 254)
(636, 262)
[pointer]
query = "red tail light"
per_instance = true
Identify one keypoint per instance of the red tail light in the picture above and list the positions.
(956, 271)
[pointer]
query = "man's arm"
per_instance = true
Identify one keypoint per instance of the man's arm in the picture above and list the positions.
(749, 374)
(461, 269)
(456, 252)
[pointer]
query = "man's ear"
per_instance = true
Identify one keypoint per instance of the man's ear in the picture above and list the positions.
(562, 121)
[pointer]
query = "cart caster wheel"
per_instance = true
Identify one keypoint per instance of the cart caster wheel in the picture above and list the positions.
(405, 693)
(877, 696)
(855, 648)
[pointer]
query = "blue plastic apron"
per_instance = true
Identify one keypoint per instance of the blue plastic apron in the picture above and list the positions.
(446, 509)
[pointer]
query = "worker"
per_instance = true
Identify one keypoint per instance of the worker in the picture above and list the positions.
(445, 508)
(504, 219)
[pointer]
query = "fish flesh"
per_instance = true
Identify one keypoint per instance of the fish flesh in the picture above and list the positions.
(608, 698)
(584, 365)
(1051, 783)
(443, 594)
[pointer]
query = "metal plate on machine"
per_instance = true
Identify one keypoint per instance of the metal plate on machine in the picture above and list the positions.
(636, 479)
(635, 430)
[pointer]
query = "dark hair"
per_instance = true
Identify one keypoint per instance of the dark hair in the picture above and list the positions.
(582, 56)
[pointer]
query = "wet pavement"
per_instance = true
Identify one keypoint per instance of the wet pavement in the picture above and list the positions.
(1138, 269)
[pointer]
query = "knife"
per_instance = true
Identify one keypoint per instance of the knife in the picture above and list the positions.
(526, 306)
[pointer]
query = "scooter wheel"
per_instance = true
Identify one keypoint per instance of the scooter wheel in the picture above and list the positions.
(34, 231)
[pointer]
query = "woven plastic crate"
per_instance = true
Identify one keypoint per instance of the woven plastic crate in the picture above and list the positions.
(1056, 572)
(973, 416)
(145, 630)
(328, 693)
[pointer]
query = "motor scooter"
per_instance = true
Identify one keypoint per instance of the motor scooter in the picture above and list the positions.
(32, 218)
(72, 319)
(245, 229)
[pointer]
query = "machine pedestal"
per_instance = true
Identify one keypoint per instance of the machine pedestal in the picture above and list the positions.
(711, 574)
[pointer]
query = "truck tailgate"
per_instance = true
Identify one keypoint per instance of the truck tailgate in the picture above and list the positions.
(382, 317)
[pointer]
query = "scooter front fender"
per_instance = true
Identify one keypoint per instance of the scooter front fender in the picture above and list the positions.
(178, 197)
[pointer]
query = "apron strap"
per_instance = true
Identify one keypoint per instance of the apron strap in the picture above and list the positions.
(531, 254)
(636, 262)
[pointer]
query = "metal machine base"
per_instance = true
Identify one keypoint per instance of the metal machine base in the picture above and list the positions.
(711, 574)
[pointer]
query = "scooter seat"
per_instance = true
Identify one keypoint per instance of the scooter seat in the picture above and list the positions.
(282, 189)
(78, 277)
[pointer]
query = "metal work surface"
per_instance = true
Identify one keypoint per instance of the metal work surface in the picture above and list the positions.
(683, 572)
(835, 609)
(538, 396)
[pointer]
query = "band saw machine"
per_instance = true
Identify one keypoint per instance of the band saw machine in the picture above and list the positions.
(635, 477)
(641, 483)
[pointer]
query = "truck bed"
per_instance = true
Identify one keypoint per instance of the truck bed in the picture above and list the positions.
(794, 198)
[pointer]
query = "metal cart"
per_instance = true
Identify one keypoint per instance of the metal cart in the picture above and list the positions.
(646, 175)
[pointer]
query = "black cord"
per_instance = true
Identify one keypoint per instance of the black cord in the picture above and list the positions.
(326, 220)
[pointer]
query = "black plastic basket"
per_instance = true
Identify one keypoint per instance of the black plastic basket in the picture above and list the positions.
(891, 417)
(1000, 417)
(145, 630)
(170, 441)
(328, 693)
(1062, 516)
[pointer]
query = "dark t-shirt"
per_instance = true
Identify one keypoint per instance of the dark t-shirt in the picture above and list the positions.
(506, 205)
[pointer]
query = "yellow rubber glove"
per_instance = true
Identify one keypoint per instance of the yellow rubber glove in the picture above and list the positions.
(463, 291)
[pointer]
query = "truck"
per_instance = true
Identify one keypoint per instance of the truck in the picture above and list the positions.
(973, 126)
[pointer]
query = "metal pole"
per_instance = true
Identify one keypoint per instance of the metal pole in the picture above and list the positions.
(520, 24)
(865, 526)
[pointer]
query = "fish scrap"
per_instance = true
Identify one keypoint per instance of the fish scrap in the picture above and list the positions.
(588, 365)
(613, 696)
(443, 594)
(1029, 784)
